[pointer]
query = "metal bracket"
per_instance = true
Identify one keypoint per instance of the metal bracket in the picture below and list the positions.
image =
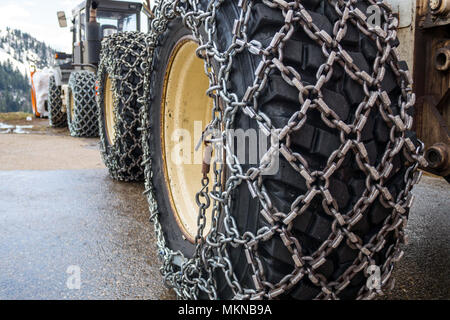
(405, 11)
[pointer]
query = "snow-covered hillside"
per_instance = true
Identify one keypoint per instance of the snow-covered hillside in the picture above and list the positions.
(18, 52)
(22, 51)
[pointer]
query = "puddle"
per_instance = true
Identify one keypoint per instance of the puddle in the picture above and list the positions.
(8, 128)
(93, 146)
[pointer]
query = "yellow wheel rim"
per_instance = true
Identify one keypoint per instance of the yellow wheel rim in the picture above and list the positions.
(71, 106)
(185, 111)
(110, 117)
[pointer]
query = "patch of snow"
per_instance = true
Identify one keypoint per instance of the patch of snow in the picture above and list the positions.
(24, 68)
(7, 128)
(20, 129)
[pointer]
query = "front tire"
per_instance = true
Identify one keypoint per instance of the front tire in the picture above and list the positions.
(367, 213)
(120, 85)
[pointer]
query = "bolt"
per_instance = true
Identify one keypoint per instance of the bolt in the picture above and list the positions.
(439, 7)
(438, 156)
(435, 4)
(442, 59)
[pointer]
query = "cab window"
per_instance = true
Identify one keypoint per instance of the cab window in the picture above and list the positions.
(113, 22)
(83, 25)
(76, 28)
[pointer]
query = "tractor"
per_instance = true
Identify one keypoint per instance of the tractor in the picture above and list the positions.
(72, 86)
(279, 140)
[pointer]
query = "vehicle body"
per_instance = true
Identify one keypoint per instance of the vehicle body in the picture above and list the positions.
(91, 22)
(39, 95)
(33, 93)
(432, 82)
(111, 17)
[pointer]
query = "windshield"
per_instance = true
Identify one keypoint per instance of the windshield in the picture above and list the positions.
(113, 22)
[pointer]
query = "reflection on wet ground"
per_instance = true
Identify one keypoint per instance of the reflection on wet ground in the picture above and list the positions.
(54, 220)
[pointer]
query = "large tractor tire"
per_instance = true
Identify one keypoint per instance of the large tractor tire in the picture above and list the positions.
(82, 110)
(178, 84)
(56, 116)
(120, 85)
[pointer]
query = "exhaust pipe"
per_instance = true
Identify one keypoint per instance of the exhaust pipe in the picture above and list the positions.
(93, 36)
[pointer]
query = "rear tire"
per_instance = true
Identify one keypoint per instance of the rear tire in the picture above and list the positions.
(122, 59)
(315, 141)
(56, 116)
(82, 110)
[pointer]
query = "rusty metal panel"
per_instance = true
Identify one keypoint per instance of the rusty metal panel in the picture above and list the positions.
(432, 81)
(406, 10)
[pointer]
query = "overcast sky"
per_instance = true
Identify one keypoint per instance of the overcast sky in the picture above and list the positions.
(38, 18)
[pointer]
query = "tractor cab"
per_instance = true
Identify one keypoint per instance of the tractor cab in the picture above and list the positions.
(92, 20)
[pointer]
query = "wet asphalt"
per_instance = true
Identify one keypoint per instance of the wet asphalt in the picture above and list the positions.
(55, 222)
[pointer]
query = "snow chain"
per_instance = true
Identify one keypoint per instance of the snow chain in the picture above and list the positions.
(123, 59)
(85, 120)
(56, 116)
(192, 277)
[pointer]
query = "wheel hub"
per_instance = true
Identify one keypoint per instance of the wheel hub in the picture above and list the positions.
(71, 106)
(185, 111)
(110, 117)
